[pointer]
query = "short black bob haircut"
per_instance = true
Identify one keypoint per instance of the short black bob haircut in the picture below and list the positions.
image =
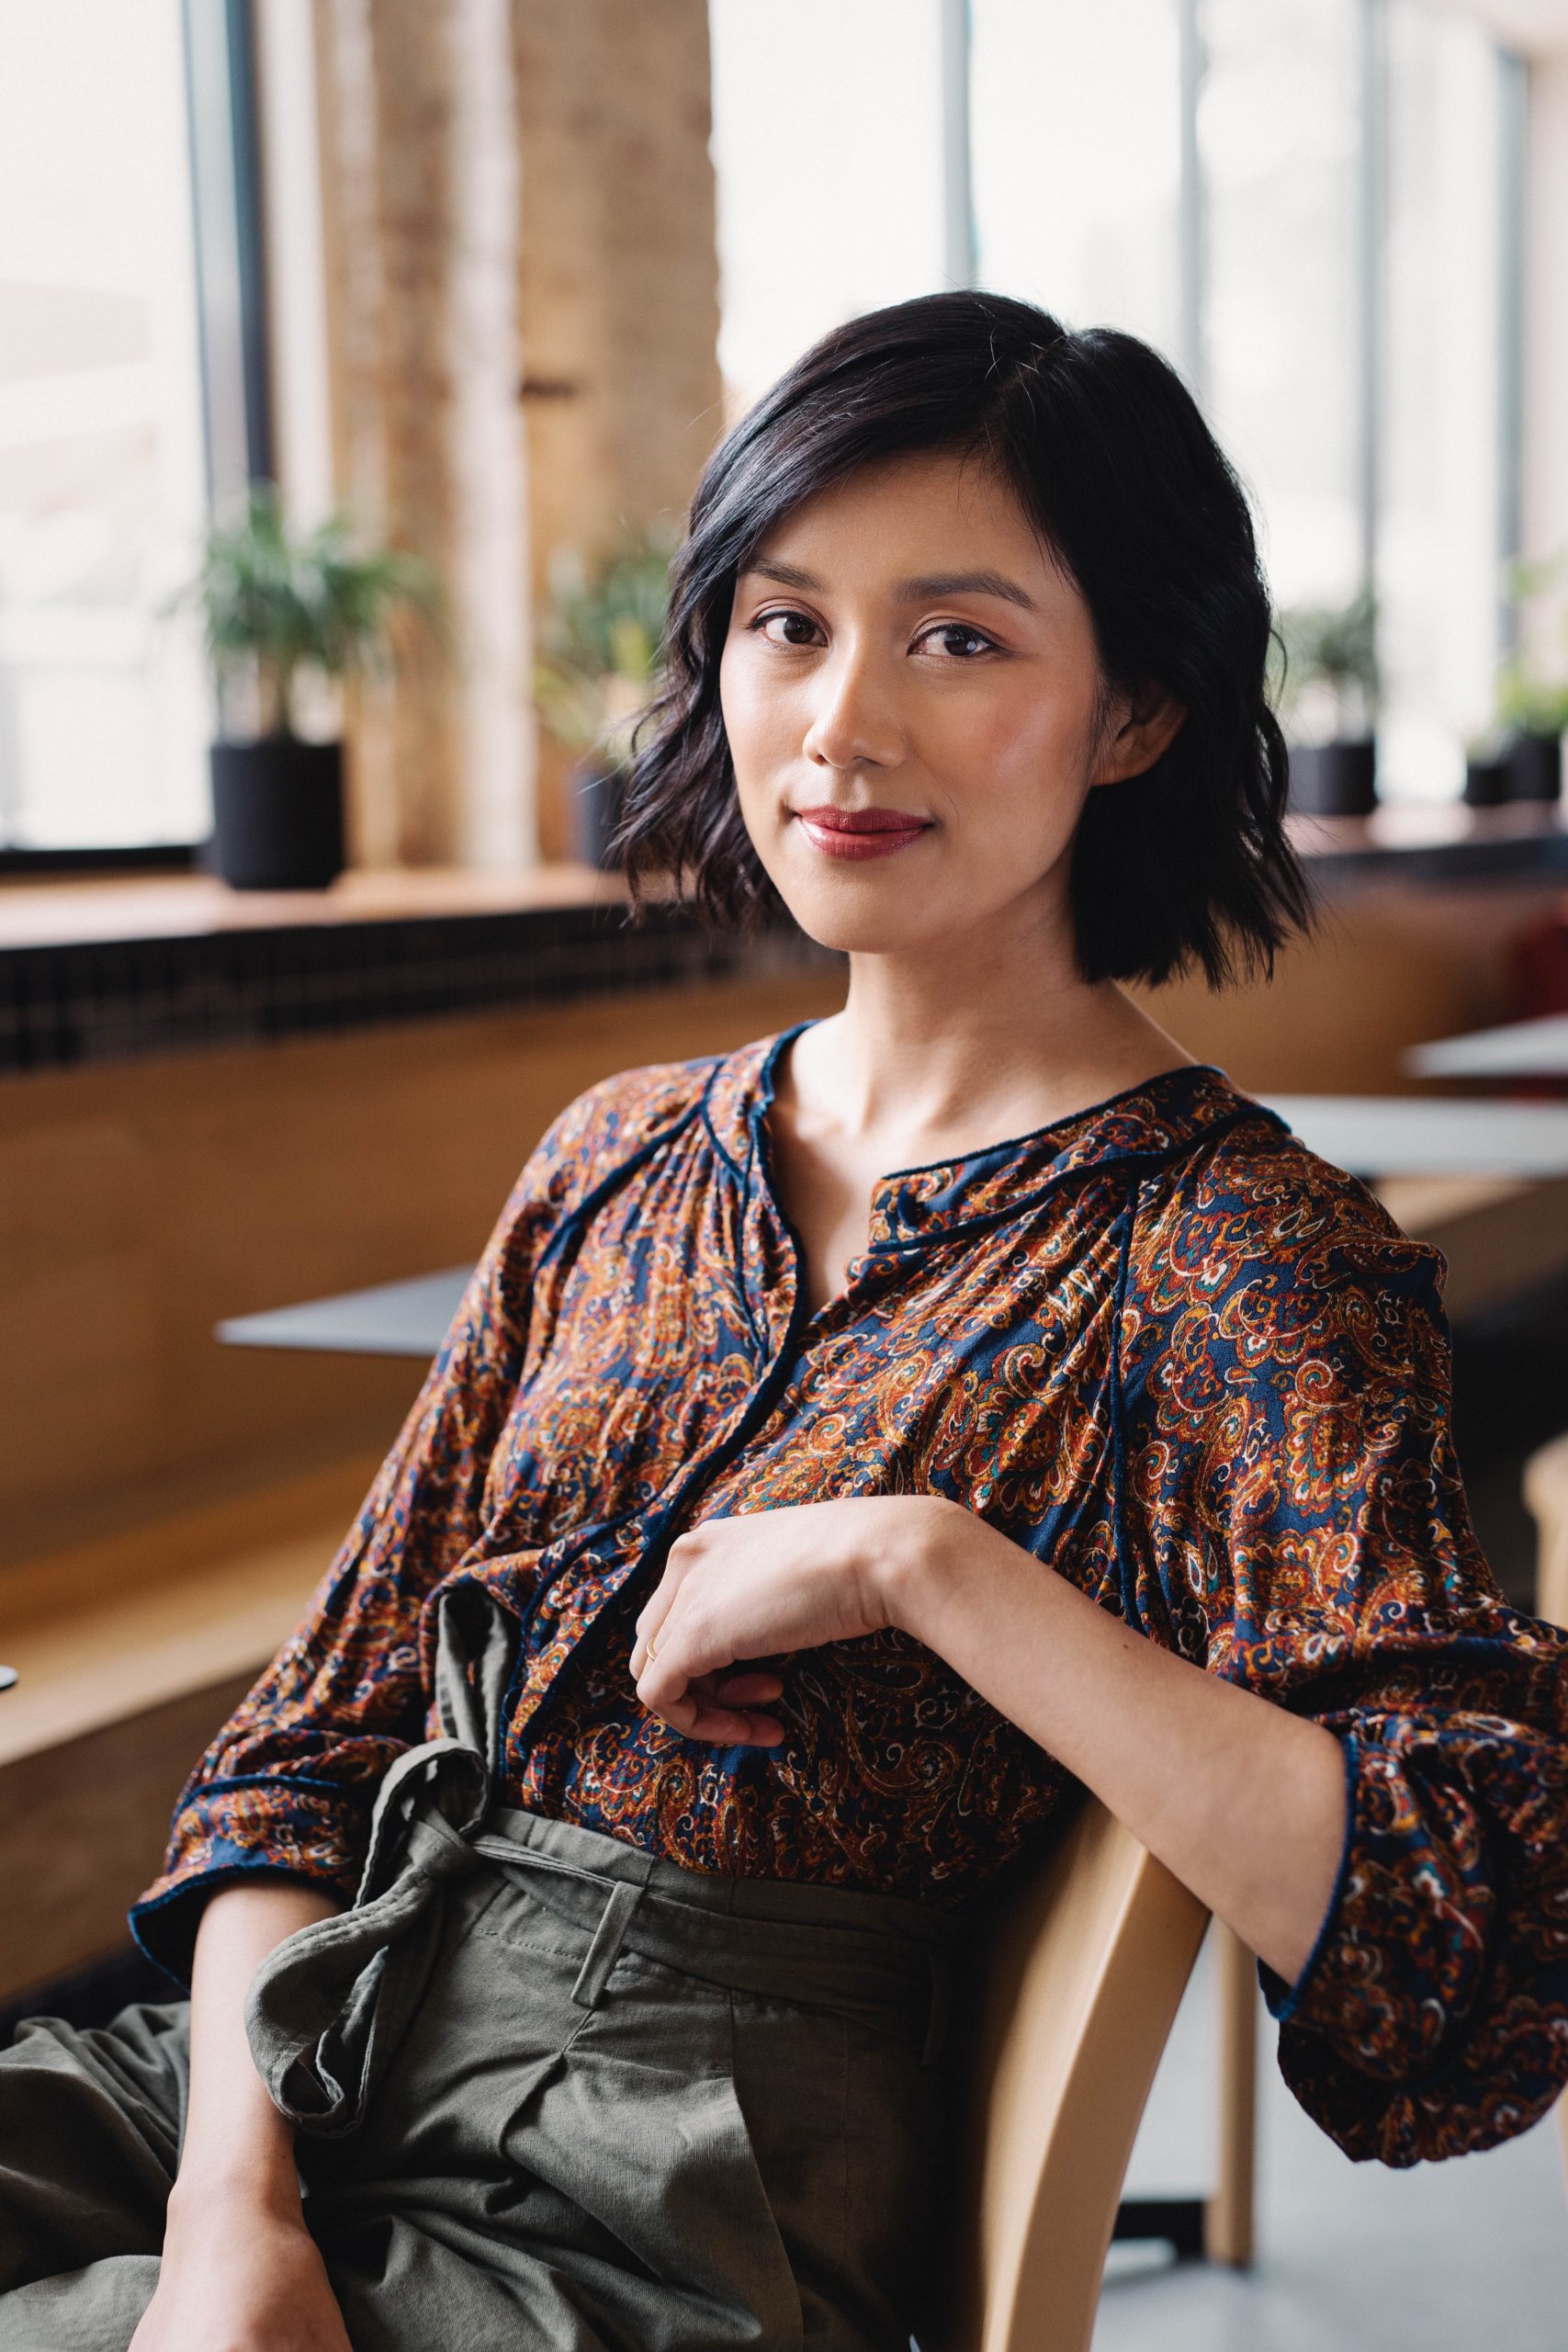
(1106, 451)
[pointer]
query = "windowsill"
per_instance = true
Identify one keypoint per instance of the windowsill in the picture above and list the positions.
(1444, 841)
(50, 912)
(117, 969)
(1418, 839)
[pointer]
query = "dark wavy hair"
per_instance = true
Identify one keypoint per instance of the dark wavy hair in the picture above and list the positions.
(1107, 453)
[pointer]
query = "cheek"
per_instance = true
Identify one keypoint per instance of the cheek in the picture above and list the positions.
(1028, 754)
(751, 717)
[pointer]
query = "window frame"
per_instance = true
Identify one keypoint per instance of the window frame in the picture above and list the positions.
(223, 156)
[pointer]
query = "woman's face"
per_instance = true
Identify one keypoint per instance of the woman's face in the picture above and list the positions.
(911, 691)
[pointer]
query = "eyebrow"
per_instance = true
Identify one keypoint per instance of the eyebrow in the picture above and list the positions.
(911, 592)
(963, 583)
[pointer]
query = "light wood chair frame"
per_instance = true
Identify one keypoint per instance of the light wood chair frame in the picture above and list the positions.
(1069, 2002)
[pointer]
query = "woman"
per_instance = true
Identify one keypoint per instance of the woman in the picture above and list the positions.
(845, 1449)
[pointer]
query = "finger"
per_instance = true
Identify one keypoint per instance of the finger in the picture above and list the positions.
(681, 1651)
(662, 1599)
(749, 1689)
(722, 1726)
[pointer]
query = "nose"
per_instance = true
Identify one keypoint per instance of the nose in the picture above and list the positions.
(856, 722)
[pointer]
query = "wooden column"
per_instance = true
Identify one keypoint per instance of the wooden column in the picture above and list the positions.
(385, 76)
(609, 201)
(618, 279)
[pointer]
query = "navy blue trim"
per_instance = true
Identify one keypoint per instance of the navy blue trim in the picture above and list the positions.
(1012, 1145)
(1138, 1160)
(713, 1136)
(1128, 1582)
(264, 1780)
(763, 1397)
(1283, 2000)
(1459, 2031)
(594, 1200)
(205, 1883)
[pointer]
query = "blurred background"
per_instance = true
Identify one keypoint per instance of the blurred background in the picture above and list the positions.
(357, 360)
(491, 279)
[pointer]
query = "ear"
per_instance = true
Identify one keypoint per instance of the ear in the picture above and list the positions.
(1143, 727)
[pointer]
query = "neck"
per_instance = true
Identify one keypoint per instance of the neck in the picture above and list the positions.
(991, 1033)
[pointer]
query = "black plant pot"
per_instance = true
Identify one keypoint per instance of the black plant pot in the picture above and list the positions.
(1334, 779)
(597, 802)
(277, 813)
(1486, 783)
(1534, 764)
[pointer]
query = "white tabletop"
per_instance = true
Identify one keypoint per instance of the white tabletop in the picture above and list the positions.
(1394, 1134)
(393, 1319)
(1521, 1049)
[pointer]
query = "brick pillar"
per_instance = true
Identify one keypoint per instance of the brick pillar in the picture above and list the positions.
(384, 81)
(617, 317)
(618, 280)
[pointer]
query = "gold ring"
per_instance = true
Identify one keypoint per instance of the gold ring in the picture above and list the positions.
(652, 1653)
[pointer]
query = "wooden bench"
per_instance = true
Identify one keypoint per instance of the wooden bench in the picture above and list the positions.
(130, 1653)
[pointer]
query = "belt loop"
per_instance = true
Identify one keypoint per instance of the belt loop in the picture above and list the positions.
(605, 1948)
(941, 1965)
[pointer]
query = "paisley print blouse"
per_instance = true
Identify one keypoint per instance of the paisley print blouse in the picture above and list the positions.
(1161, 1346)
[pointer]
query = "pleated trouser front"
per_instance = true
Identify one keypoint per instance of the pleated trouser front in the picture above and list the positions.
(555, 2096)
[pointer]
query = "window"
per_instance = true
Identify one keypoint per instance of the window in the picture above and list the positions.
(104, 716)
(1310, 206)
(1075, 141)
(827, 144)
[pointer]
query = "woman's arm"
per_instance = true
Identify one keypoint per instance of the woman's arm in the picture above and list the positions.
(240, 2268)
(1243, 1802)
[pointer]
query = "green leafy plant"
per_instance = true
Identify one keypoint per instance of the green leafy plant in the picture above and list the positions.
(274, 602)
(599, 639)
(1530, 705)
(1532, 700)
(1329, 652)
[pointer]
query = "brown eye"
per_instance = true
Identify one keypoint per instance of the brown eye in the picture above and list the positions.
(959, 642)
(798, 630)
(792, 629)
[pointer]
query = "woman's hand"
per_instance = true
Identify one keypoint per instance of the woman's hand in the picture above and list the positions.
(240, 2278)
(1245, 1802)
(739, 1592)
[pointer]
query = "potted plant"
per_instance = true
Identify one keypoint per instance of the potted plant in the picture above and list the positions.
(1532, 687)
(275, 606)
(1534, 714)
(1329, 696)
(599, 639)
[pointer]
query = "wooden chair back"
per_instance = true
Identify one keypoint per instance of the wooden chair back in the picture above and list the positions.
(1546, 1497)
(1075, 1985)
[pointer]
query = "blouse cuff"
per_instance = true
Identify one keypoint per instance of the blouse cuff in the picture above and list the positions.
(312, 1831)
(1285, 2002)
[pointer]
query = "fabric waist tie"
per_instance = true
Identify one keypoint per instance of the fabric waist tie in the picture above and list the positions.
(328, 2005)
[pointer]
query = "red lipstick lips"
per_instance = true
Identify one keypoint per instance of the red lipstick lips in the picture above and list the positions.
(853, 833)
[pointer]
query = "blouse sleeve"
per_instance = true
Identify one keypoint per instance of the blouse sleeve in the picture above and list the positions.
(288, 1785)
(1296, 1521)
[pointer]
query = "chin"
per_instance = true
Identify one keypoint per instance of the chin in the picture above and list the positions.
(860, 922)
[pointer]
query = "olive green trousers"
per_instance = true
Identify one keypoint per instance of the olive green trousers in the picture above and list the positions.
(553, 2096)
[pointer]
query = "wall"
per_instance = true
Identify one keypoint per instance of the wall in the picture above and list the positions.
(142, 1202)
(1386, 967)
